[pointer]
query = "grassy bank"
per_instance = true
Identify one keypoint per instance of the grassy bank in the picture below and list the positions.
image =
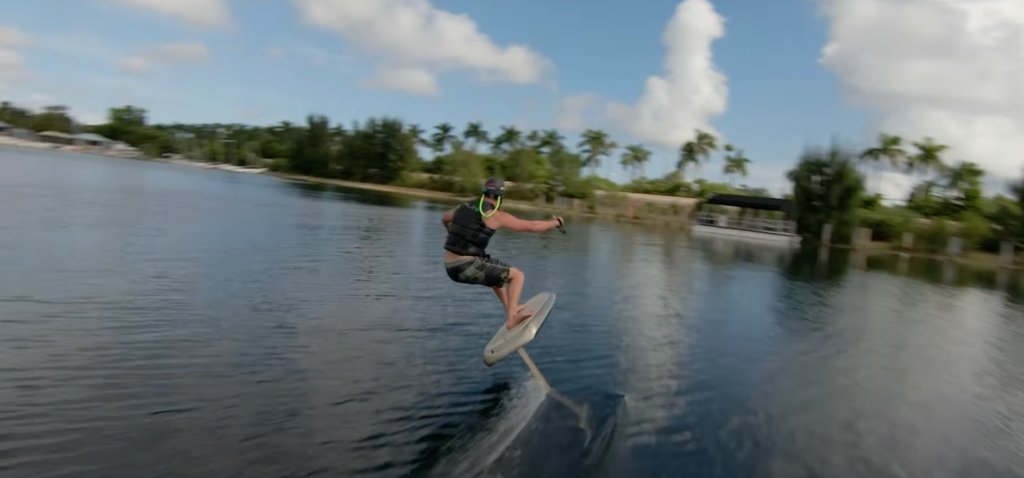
(973, 258)
(978, 259)
(608, 213)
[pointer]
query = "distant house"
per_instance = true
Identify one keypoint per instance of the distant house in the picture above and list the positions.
(119, 148)
(21, 133)
(91, 139)
(4, 127)
(55, 137)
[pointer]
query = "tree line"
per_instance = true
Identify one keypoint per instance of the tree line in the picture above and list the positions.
(946, 200)
(828, 185)
(387, 150)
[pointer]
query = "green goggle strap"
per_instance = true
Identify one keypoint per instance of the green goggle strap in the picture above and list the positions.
(480, 207)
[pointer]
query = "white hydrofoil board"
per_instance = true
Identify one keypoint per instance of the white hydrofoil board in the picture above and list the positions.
(507, 341)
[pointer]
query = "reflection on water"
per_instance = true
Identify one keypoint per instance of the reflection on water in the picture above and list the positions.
(343, 193)
(205, 323)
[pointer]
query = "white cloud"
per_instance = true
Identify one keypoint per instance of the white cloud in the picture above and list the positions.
(692, 90)
(195, 12)
(11, 37)
(12, 63)
(167, 53)
(414, 39)
(573, 111)
(410, 80)
(182, 51)
(950, 69)
(135, 64)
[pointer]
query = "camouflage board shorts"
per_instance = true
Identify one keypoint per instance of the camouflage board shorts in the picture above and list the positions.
(483, 271)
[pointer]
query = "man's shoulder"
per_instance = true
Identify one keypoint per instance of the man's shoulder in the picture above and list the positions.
(504, 217)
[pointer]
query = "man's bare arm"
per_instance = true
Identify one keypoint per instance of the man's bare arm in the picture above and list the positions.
(524, 225)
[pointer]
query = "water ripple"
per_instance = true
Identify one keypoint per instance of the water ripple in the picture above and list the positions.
(193, 323)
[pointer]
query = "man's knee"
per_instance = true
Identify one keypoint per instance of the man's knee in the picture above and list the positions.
(515, 274)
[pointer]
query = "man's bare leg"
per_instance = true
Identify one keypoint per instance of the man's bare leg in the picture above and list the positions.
(500, 292)
(503, 297)
(513, 310)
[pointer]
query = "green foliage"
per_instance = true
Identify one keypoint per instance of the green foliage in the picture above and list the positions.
(604, 184)
(635, 157)
(871, 202)
(932, 236)
(539, 165)
(15, 116)
(963, 182)
(279, 165)
(975, 231)
(444, 184)
(826, 189)
(593, 146)
(310, 151)
(525, 192)
(576, 188)
(670, 185)
(735, 163)
(704, 190)
(1005, 215)
(379, 151)
(701, 146)
(886, 224)
(128, 124)
(525, 165)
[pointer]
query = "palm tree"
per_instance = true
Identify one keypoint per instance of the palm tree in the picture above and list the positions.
(416, 133)
(443, 137)
(533, 140)
(692, 151)
(687, 156)
(509, 139)
(889, 147)
(476, 133)
(926, 160)
(735, 164)
(634, 157)
(595, 143)
(551, 141)
(928, 157)
(965, 180)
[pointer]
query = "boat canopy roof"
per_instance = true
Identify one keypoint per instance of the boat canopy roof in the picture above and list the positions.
(751, 202)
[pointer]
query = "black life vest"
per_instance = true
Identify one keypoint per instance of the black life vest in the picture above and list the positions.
(468, 235)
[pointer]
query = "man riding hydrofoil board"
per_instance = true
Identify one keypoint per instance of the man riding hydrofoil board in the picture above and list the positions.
(470, 226)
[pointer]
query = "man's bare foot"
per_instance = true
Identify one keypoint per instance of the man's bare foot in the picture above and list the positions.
(518, 319)
(520, 308)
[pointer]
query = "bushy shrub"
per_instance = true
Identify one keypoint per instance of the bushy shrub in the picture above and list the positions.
(932, 236)
(445, 184)
(886, 224)
(662, 186)
(524, 192)
(279, 165)
(974, 230)
(576, 189)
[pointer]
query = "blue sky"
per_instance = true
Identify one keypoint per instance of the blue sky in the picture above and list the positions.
(267, 62)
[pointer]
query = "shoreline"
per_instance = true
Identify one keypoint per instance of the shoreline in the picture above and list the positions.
(454, 198)
(976, 259)
(982, 259)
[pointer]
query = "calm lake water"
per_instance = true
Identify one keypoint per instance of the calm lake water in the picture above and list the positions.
(166, 321)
